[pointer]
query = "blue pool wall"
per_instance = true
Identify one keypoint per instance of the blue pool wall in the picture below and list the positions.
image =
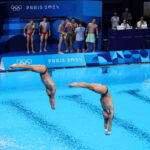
(80, 59)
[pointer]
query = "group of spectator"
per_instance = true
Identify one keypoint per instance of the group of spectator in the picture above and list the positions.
(127, 21)
(71, 31)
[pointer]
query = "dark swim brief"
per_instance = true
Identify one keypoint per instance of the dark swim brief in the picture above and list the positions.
(61, 35)
(104, 94)
(70, 34)
(44, 72)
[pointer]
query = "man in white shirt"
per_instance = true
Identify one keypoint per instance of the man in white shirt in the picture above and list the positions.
(80, 33)
(125, 25)
(115, 20)
(141, 23)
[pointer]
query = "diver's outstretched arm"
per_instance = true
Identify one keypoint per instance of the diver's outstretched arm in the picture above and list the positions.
(81, 84)
(98, 88)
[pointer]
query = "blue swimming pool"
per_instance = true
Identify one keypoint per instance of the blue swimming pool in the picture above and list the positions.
(28, 123)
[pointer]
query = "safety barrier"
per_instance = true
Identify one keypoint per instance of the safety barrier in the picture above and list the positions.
(80, 59)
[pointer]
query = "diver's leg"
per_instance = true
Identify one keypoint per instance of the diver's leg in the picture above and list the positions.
(51, 94)
(35, 68)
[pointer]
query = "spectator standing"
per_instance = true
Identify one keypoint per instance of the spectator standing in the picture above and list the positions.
(44, 32)
(30, 27)
(61, 35)
(115, 20)
(91, 29)
(69, 38)
(127, 16)
(80, 33)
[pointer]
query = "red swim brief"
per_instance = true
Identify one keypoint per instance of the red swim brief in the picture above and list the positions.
(44, 33)
(30, 34)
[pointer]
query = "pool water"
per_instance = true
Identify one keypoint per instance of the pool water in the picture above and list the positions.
(28, 123)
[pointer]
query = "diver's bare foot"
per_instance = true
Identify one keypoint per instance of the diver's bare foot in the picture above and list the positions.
(60, 53)
(45, 50)
(40, 51)
(71, 51)
(107, 133)
(28, 52)
(78, 51)
(66, 51)
(73, 84)
(87, 50)
(12, 66)
(83, 51)
(53, 107)
(33, 51)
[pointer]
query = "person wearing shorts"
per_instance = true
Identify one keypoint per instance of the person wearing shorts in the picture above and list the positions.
(90, 38)
(91, 29)
(80, 32)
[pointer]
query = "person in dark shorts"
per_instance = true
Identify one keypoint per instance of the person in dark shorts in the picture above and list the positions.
(80, 33)
(106, 102)
(45, 77)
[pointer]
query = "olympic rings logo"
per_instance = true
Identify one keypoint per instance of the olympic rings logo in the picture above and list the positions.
(24, 61)
(16, 7)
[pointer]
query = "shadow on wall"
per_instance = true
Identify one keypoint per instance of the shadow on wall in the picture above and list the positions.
(2, 18)
(13, 44)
